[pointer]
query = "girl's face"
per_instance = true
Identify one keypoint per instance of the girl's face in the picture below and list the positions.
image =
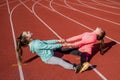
(27, 34)
(99, 31)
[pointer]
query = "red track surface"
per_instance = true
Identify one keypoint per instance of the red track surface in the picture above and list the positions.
(53, 20)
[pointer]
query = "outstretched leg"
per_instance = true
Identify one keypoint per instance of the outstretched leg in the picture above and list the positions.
(74, 51)
(58, 61)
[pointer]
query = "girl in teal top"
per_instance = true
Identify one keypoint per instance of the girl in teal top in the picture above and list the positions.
(44, 49)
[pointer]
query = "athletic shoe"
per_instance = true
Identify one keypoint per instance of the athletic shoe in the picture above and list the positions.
(85, 66)
(77, 68)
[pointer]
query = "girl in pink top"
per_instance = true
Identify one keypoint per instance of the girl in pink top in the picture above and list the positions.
(84, 42)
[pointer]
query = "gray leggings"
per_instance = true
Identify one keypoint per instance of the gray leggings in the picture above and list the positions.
(59, 61)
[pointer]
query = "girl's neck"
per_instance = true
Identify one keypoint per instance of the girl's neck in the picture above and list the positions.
(96, 32)
(30, 40)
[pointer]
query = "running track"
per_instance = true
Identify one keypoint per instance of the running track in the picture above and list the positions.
(56, 19)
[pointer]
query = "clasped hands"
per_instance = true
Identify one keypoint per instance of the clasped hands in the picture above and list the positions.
(65, 43)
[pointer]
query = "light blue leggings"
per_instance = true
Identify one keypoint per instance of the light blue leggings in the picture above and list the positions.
(58, 61)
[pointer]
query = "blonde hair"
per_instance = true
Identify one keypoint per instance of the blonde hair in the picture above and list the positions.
(101, 38)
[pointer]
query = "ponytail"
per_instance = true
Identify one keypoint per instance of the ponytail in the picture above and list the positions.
(101, 38)
(21, 41)
(19, 49)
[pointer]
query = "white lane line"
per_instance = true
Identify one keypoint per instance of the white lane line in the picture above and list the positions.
(14, 39)
(8, 7)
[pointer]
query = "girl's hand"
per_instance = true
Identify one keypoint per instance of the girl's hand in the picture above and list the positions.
(61, 40)
(67, 45)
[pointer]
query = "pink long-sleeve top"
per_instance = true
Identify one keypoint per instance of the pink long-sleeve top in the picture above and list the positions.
(84, 41)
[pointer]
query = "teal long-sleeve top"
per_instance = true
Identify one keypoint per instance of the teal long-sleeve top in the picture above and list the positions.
(44, 49)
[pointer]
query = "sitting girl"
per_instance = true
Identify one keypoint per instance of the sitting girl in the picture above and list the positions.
(84, 42)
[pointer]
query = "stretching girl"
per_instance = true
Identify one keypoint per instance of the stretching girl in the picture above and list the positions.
(84, 42)
(44, 49)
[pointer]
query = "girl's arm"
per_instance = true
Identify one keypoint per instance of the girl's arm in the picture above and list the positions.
(48, 46)
(51, 46)
(50, 41)
(82, 42)
(54, 41)
(74, 38)
(86, 39)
